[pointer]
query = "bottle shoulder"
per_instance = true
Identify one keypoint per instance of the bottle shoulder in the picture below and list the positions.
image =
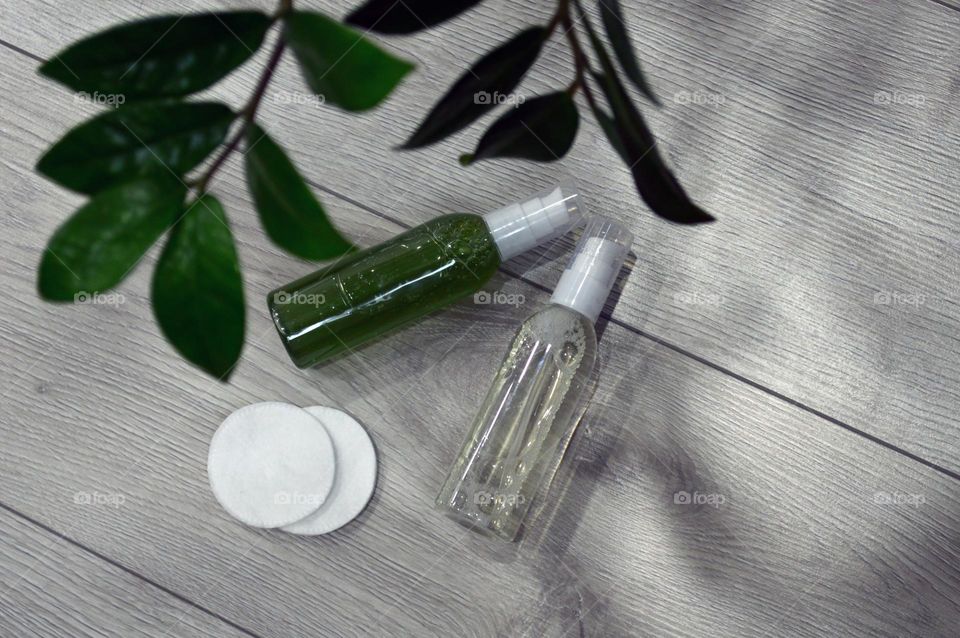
(467, 238)
(559, 324)
(458, 225)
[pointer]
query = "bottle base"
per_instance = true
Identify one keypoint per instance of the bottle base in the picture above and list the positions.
(479, 523)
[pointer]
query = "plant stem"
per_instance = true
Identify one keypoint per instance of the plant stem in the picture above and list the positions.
(249, 111)
(580, 61)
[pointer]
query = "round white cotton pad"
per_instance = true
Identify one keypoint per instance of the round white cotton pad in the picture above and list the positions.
(271, 464)
(356, 474)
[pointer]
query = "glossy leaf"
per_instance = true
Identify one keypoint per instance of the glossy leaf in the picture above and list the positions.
(164, 56)
(633, 140)
(489, 80)
(616, 28)
(409, 16)
(136, 140)
(541, 129)
(96, 248)
(197, 291)
(292, 216)
(340, 64)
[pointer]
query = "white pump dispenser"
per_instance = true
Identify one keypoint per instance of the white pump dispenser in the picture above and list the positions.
(516, 228)
(592, 271)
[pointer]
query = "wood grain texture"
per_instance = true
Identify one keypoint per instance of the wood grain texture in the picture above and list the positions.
(802, 545)
(824, 149)
(49, 587)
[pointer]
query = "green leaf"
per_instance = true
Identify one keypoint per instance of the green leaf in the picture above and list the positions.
(341, 64)
(136, 140)
(292, 216)
(96, 248)
(488, 81)
(197, 291)
(616, 29)
(165, 56)
(632, 139)
(409, 16)
(541, 129)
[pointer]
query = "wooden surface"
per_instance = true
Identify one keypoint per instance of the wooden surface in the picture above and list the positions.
(747, 361)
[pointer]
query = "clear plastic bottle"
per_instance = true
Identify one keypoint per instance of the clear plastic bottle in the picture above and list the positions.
(518, 439)
(381, 288)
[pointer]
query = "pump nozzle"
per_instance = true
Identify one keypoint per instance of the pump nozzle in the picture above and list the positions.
(592, 271)
(516, 228)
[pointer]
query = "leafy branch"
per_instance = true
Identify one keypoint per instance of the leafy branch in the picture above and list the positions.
(140, 164)
(248, 113)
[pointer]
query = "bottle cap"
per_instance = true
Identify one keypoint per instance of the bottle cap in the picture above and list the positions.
(516, 228)
(592, 271)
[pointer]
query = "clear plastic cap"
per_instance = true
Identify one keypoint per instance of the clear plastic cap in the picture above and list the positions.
(516, 228)
(592, 271)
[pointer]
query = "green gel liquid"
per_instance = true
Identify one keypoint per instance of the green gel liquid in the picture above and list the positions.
(374, 291)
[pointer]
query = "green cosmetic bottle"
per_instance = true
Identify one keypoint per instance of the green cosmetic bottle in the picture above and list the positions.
(373, 291)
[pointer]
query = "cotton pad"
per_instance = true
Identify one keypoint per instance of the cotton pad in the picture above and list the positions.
(271, 464)
(356, 474)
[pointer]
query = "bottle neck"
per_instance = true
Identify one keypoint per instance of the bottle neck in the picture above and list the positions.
(587, 300)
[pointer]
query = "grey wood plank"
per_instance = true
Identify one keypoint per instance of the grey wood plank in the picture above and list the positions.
(95, 401)
(50, 588)
(830, 203)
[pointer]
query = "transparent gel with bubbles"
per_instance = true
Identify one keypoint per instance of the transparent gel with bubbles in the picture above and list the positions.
(523, 428)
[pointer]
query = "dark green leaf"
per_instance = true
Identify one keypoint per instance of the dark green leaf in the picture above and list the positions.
(541, 129)
(292, 216)
(635, 143)
(197, 290)
(393, 17)
(95, 249)
(656, 184)
(616, 29)
(613, 136)
(341, 64)
(164, 56)
(489, 81)
(136, 140)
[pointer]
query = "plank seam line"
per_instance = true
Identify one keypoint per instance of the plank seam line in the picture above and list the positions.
(944, 3)
(17, 49)
(679, 350)
(126, 570)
